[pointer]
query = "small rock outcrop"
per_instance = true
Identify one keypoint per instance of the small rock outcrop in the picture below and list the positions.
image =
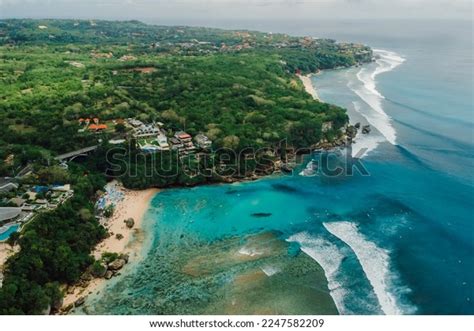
(124, 257)
(116, 264)
(79, 302)
(351, 132)
(129, 222)
(366, 129)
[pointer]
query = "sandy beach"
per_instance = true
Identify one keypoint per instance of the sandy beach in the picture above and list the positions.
(309, 87)
(133, 205)
(5, 251)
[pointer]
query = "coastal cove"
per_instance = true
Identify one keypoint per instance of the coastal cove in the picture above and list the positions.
(271, 232)
(188, 98)
(396, 242)
(122, 240)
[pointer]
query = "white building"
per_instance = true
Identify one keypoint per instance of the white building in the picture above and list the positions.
(145, 131)
(203, 141)
(163, 142)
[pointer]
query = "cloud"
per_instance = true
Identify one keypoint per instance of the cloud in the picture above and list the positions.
(237, 8)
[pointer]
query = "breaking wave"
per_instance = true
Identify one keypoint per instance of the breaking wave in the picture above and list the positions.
(328, 256)
(375, 263)
(368, 92)
(364, 144)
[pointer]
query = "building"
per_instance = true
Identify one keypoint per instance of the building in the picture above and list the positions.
(134, 122)
(7, 184)
(186, 140)
(61, 188)
(117, 141)
(182, 136)
(203, 141)
(145, 131)
(17, 201)
(9, 213)
(163, 142)
(97, 127)
(176, 144)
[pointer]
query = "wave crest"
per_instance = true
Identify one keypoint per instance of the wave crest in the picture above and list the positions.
(386, 61)
(375, 262)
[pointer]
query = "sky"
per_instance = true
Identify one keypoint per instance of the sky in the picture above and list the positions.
(187, 11)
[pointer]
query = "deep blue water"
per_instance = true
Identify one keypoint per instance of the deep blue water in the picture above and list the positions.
(400, 240)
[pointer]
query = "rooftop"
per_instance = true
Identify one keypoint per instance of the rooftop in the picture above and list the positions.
(8, 213)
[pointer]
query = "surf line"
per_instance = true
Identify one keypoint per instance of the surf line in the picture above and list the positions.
(367, 92)
(374, 260)
(328, 256)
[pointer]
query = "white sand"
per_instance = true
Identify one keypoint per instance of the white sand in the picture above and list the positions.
(308, 86)
(5, 252)
(134, 205)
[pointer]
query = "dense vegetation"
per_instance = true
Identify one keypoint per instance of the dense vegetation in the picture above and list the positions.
(237, 87)
(55, 249)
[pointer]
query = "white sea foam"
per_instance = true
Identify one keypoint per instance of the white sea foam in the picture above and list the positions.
(309, 170)
(368, 92)
(270, 270)
(375, 262)
(328, 256)
(249, 251)
(364, 143)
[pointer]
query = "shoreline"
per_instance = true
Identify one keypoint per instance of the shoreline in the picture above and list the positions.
(5, 252)
(133, 205)
(308, 86)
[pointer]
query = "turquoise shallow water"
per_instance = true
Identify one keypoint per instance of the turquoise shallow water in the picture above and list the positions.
(397, 241)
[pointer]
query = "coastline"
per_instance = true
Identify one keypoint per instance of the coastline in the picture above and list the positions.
(5, 252)
(133, 205)
(308, 86)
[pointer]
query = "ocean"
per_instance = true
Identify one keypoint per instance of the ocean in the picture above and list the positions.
(398, 239)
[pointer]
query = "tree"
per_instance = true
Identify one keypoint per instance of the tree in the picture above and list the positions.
(52, 175)
(13, 238)
(109, 211)
(231, 142)
(120, 127)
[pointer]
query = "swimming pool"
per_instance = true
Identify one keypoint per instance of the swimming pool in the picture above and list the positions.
(4, 234)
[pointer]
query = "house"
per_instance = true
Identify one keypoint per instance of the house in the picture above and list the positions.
(176, 144)
(146, 131)
(186, 140)
(134, 122)
(203, 141)
(163, 142)
(182, 136)
(17, 201)
(97, 127)
(7, 184)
